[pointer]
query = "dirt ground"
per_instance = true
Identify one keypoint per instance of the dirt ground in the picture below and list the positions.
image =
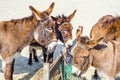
(22, 71)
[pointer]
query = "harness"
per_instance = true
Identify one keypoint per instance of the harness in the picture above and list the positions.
(85, 60)
(67, 59)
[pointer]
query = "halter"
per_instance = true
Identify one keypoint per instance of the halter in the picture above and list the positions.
(85, 60)
(84, 57)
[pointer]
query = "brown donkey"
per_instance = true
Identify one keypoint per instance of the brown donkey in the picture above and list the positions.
(16, 34)
(99, 29)
(63, 29)
(107, 27)
(88, 52)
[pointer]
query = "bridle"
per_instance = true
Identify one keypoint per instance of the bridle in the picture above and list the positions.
(86, 58)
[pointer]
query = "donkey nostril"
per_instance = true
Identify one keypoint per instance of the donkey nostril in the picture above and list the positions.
(42, 41)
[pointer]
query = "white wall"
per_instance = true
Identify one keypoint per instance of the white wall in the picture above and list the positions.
(88, 11)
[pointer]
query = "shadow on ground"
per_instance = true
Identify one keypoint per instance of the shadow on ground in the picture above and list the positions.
(21, 65)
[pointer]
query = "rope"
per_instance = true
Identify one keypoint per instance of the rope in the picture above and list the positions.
(66, 67)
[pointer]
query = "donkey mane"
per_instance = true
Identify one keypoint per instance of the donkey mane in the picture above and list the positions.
(25, 19)
(63, 15)
(19, 23)
(104, 18)
(60, 16)
(114, 25)
(59, 34)
(115, 18)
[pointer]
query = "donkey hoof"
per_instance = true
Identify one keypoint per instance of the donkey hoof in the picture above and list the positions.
(36, 60)
(29, 64)
(51, 60)
(95, 78)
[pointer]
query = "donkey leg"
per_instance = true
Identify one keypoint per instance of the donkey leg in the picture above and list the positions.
(95, 76)
(45, 57)
(50, 50)
(44, 53)
(30, 56)
(35, 55)
(30, 59)
(8, 68)
(50, 58)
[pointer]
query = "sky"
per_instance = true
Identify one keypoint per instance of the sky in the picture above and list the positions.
(88, 11)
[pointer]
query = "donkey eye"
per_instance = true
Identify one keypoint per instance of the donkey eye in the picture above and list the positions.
(49, 29)
(64, 31)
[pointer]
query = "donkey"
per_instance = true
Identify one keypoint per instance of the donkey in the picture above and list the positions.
(16, 34)
(99, 29)
(63, 29)
(88, 52)
(107, 27)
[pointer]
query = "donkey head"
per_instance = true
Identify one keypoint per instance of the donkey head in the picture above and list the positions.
(81, 54)
(64, 28)
(45, 32)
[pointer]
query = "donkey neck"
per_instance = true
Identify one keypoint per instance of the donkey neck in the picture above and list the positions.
(25, 25)
(103, 60)
(23, 30)
(26, 20)
(28, 26)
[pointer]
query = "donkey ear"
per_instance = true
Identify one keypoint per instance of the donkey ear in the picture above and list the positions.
(53, 18)
(79, 32)
(49, 10)
(71, 15)
(35, 12)
(94, 42)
